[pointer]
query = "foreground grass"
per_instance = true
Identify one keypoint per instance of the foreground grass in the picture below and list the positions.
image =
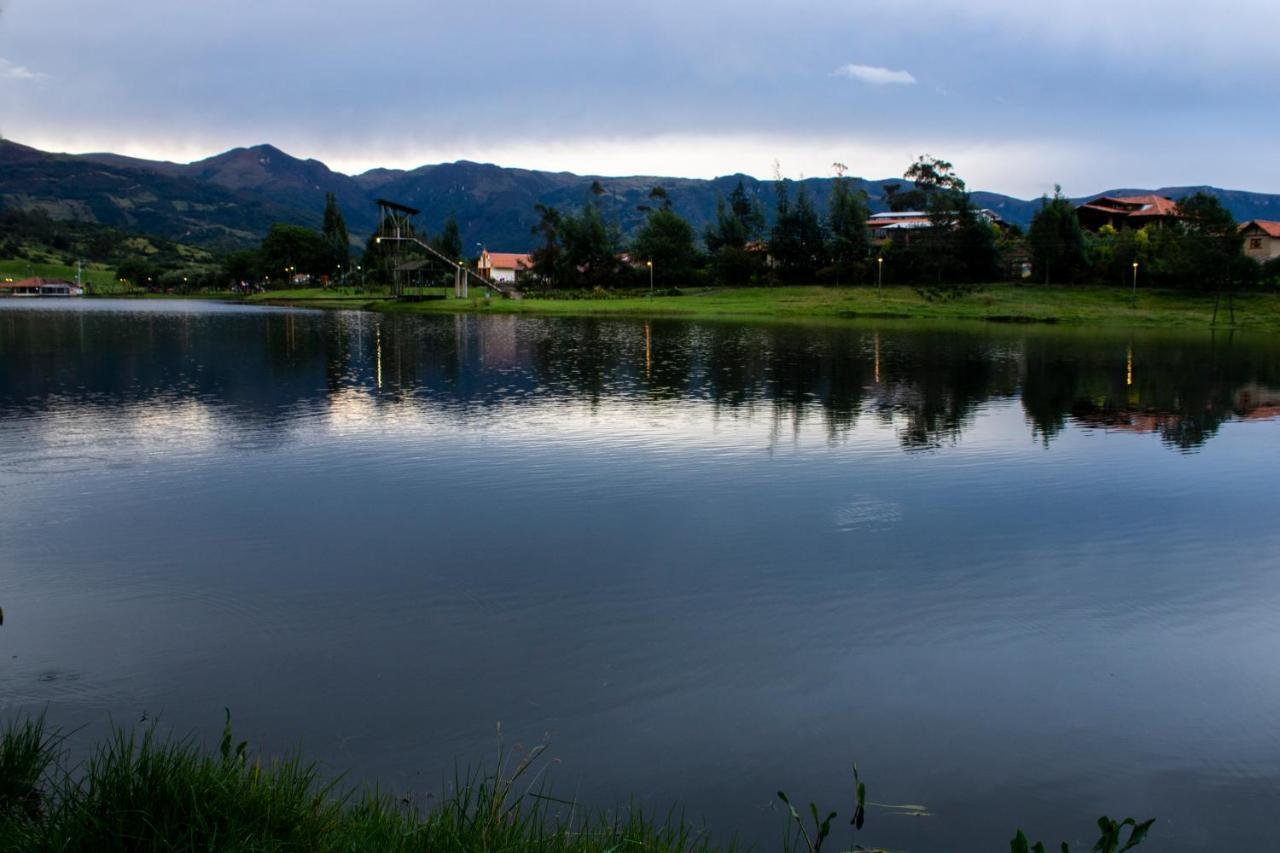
(139, 793)
(994, 303)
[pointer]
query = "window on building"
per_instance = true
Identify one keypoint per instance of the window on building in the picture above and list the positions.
(1255, 242)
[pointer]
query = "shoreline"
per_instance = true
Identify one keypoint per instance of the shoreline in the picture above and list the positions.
(1076, 306)
(1004, 304)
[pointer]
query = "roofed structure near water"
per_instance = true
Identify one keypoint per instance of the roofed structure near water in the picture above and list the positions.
(40, 287)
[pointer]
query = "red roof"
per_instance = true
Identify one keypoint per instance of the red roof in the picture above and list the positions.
(36, 282)
(507, 261)
(1271, 229)
(1135, 205)
(1153, 205)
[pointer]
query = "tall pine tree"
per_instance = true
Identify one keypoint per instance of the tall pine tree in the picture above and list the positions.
(847, 219)
(335, 232)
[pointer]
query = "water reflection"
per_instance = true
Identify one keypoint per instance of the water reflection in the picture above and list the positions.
(261, 369)
(713, 559)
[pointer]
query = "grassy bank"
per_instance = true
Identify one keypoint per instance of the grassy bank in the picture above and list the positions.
(140, 793)
(98, 275)
(993, 303)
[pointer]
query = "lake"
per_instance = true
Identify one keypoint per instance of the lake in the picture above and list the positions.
(1023, 576)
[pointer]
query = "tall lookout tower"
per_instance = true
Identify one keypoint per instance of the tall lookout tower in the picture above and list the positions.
(396, 228)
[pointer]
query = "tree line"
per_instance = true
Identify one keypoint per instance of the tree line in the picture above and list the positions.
(798, 244)
(950, 247)
(1201, 249)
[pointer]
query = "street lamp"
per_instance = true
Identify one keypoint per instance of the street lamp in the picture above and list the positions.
(1135, 281)
(649, 264)
(879, 277)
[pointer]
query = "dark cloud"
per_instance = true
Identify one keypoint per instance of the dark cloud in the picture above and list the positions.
(1104, 90)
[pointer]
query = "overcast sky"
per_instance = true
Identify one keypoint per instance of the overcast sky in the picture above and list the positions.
(1019, 95)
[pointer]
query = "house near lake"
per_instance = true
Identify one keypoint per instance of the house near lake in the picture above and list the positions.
(503, 267)
(1130, 211)
(40, 287)
(1261, 239)
(900, 223)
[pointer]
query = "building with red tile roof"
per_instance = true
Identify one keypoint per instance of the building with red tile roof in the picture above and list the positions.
(40, 287)
(1261, 239)
(503, 266)
(1134, 211)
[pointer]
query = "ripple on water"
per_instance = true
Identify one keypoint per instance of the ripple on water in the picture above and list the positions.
(867, 513)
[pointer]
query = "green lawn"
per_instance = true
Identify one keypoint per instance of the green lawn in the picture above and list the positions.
(99, 275)
(993, 303)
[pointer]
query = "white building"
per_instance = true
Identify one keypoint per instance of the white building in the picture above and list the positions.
(503, 266)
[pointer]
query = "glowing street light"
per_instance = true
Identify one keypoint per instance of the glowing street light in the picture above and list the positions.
(649, 264)
(1135, 281)
(879, 277)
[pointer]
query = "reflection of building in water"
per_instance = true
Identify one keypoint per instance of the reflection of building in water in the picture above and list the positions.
(1188, 427)
(1257, 403)
(498, 341)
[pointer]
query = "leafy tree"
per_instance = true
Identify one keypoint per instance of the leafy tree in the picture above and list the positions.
(1112, 252)
(959, 246)
(588, 258)
(931, 175)
(898, 200)
(1056, 241)
(139, 272)
(242, 266)
(667, 240)
(1206, 251)
(974, 239)
(296, 248)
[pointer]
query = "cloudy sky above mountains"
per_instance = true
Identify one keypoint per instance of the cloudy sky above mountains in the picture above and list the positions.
(1089, 94)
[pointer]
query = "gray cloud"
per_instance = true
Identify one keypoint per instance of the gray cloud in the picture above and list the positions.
(1103, 94)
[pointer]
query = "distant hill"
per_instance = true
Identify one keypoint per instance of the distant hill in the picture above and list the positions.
(231, 199)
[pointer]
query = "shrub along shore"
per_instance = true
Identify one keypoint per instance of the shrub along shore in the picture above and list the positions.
(1008, 303)
(139, 792)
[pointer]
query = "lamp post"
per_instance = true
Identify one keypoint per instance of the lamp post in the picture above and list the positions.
(649, 264)
(1135, 282)
(879, 277)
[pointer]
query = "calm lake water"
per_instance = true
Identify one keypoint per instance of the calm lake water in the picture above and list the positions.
(1022, 576)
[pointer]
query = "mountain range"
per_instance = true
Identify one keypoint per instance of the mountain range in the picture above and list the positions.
(231, 200)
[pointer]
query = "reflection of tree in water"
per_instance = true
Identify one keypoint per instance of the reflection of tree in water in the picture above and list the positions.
(937, 382)
(1182, 389)
(261, 370)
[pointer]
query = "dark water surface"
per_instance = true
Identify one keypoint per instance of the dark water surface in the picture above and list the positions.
(1022, 576)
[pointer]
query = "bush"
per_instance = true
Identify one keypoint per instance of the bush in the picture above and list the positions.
(1269, 276)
